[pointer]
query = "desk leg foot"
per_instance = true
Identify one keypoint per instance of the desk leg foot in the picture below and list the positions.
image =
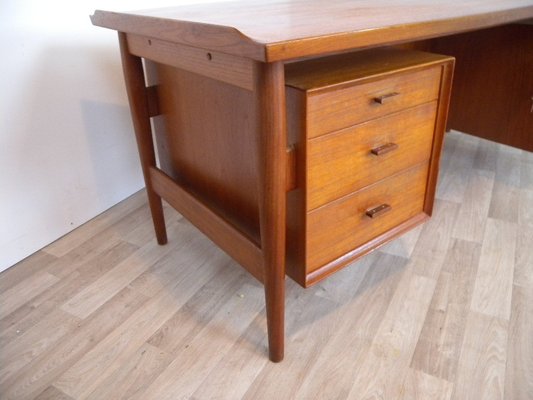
(270, 89)
(158, 217)
(275, 309)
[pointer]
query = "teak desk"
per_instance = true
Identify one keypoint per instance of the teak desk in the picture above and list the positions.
(228, 167)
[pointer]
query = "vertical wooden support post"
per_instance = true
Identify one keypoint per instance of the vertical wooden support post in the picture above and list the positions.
(136, 88)
(273, 171)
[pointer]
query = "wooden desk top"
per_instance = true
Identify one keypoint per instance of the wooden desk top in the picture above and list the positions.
(284, 29)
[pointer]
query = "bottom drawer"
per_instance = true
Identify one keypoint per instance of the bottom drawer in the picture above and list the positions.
(345, 224)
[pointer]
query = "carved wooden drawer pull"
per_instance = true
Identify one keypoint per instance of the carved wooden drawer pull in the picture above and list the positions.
(386, 97)
(384, 149)
(379, 210)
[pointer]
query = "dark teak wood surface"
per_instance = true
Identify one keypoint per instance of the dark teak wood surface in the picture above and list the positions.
(493, 84)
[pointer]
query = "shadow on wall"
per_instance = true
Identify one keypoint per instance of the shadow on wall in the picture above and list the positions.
(108, 130)
(111, 145)
(87, 126)
(70, 151)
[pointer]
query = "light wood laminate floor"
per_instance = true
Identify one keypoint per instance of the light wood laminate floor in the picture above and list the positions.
(445, 312)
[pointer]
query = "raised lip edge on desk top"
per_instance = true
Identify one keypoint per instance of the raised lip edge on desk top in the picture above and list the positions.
(231, 40)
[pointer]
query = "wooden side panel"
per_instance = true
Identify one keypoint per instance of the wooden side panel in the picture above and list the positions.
(493, 83)
(438, 138)
(235, 70)
(296, 201)
(520, 131)
(208, 142)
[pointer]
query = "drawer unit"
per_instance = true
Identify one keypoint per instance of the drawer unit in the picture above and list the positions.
(338, 227)
(347, 160)
(336, 109)
(367, 131)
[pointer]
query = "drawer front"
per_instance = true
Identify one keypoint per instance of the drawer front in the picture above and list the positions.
(343, 162)
(336, 109)
(342, 226)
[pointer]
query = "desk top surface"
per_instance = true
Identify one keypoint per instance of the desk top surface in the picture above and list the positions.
(287, 29)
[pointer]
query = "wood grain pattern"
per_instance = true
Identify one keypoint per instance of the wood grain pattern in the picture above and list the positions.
(519, 367)
(460, 161)
(438, 349)
(168, 269)
(491, 358)
(339, 361)
(481, 370)
(29, 345)
(29, 266)
(81, 275)
(331, 228)
(404, 245)
(186, 323)
(435, 239)
(363, 250)
(100, 223)
(500, 111)
(84, 376)
(505, 200)
(421, 386)
(140, 113)
(51, 393)
(129, 382)
(272, 160)
(523, 273)
(223, 67)
(208, 142)
(26, 290)
(333, 110)
(475, 206)
(494, 282)
(306, 339)
(141, 233)
(235, 243)
(112, 282)
(394, 342)
(445, 91)
(347, 69)
(282, 30)
(182, 375)
(36, 376)
(341, 163)
(247, 356)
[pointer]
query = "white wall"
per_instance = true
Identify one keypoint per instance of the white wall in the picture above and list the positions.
(67, 149)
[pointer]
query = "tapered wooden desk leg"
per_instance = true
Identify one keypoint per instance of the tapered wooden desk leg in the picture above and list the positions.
(136, 88)
(273, 145)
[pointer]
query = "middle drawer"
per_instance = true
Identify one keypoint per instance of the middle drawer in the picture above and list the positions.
(345, 161)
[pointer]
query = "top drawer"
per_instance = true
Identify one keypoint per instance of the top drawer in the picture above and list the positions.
(331, 110)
